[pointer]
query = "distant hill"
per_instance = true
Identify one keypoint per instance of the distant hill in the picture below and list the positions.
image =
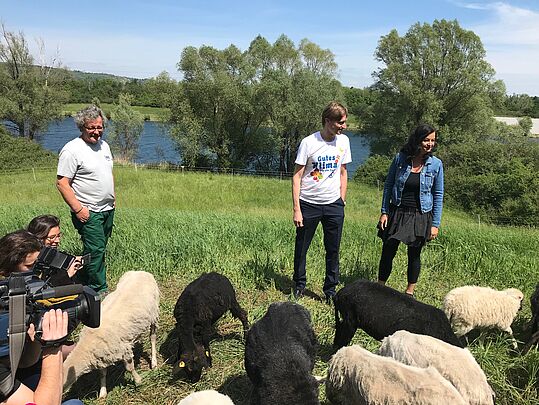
(79, 75)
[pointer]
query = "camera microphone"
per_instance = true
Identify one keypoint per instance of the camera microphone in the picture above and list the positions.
(60, 291)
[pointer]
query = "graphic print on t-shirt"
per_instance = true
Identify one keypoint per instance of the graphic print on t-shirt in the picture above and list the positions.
(325, 165)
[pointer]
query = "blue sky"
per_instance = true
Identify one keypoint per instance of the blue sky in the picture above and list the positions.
(138, 38)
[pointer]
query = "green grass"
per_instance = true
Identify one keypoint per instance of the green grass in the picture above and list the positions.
(178, 226)
(150, 113)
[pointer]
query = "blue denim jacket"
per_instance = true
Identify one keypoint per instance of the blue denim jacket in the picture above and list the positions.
(431, 186)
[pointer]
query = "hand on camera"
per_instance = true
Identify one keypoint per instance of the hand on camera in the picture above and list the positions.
(53, 326)
(76, 266)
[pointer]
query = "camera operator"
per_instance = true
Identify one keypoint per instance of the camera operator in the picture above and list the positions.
(47, 230)
(49, 388)
(18, 253)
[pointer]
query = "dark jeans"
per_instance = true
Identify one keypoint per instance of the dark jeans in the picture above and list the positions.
(94, 234)
(332, 218)
(389, 250)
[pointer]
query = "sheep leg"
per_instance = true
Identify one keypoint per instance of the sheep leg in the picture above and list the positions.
(533, 340)
(130, 366)
(206, 335)
(103, 382)
(153, 340)
(510, 331)
(239, 313)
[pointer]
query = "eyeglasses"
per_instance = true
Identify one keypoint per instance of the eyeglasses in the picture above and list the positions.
(54, 237)
(93, 128)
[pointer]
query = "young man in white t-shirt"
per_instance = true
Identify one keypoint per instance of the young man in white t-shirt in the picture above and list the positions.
(319, 195)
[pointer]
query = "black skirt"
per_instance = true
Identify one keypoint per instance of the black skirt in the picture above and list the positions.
(407, 225)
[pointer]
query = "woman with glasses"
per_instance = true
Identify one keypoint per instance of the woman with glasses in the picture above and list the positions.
(47, 229)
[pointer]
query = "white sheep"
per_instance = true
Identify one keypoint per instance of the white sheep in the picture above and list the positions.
(359, 377)
(456, 365)
(471, 307)
(126, 313)
(207, 397)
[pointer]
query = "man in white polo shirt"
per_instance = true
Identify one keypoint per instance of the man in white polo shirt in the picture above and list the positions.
(84, 179)
(319, 193)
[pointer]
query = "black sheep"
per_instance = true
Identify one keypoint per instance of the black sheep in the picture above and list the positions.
(534, 301)
(380, 311)
(199, 306)
(279, 357)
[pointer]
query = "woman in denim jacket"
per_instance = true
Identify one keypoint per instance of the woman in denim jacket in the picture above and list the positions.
(411, 203)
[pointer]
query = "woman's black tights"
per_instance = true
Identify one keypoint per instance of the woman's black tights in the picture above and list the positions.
(389, 250)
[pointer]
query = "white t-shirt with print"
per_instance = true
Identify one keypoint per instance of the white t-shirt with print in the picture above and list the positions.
(321, 180)
(90, 168)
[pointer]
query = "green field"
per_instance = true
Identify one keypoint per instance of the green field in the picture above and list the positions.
(178, 226)
(149, 113)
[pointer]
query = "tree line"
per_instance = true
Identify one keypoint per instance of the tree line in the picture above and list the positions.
(250, 108)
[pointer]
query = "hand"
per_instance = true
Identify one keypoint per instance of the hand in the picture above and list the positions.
(383, 221)
(83, 215)
(298, 218)
(77, 264)
(54, 325)
(433, 233)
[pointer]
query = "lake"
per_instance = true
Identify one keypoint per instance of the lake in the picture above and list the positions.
(156, 146)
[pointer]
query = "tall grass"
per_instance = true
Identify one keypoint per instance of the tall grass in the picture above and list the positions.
(178, 226)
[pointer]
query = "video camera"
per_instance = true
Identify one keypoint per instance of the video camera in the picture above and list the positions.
(80, 302)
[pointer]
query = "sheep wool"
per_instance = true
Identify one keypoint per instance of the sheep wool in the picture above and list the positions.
(456, 365)
(126, 313)
(471, 307)
(359, 377)
(207, 397)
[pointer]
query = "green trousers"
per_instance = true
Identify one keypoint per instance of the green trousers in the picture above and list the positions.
(94, 234)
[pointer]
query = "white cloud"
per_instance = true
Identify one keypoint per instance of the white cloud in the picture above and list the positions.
(510, 36)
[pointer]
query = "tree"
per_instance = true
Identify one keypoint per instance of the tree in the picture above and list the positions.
(251, 108)
(127, 126)
(434, 73)
(31, 96)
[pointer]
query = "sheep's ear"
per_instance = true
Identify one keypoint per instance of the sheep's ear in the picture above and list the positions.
(181, 364)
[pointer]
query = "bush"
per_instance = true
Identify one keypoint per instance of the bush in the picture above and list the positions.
(22, 153)
(498, 180)
(374, 171)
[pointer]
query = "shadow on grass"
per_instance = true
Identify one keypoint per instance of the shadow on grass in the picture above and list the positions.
(238, 387)
(267, 271)
(358, 271)
(325, 351)
(88, 385)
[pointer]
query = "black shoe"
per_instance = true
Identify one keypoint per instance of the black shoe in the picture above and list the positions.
(330, 299)
(299, 292)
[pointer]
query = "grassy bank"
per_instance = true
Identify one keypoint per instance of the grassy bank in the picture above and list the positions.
(149, 113)
(178, 226)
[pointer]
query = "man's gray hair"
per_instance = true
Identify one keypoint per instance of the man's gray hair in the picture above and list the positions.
(89, 113)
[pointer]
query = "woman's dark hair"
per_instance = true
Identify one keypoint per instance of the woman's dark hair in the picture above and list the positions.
(14, 247)
(41, 226)
(413, 146)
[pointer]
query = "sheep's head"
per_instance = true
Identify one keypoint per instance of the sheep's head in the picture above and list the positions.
(515, 293)
(191, 363)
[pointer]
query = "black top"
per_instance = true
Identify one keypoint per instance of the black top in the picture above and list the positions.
(410, 193)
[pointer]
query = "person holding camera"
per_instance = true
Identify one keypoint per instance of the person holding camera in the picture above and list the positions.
(47, 229)
(18, 253)
(85, 181)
